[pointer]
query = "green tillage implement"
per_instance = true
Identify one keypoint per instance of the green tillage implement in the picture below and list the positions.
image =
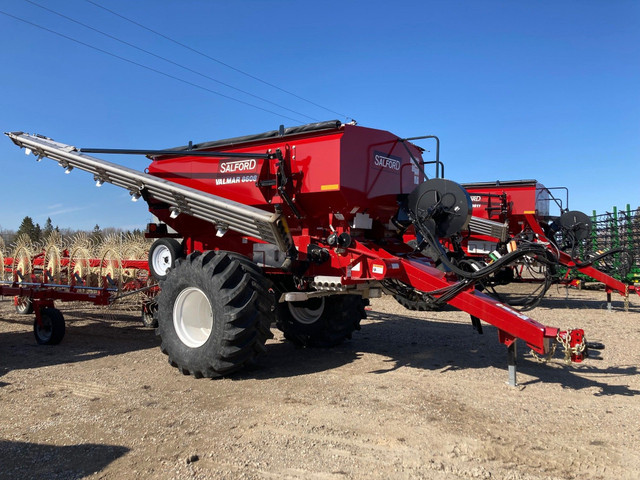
(619, 229)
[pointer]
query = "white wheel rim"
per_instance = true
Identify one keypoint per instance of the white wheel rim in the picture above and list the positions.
(161, 259)
(193, 317)
(23, 304)
(305, 314)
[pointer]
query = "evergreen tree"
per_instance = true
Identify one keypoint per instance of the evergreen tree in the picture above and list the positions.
(96, 235)
(28, 228)
(37, 233)
(48, 227)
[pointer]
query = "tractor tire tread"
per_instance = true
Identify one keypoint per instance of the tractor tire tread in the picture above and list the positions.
(242, 308)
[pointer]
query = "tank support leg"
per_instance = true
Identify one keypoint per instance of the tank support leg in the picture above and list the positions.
(609, 301)
(512, 353)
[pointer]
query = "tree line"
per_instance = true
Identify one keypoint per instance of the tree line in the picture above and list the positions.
(37, 233)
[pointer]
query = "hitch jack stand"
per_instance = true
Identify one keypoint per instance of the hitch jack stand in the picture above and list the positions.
(475, 322)
(512, 353)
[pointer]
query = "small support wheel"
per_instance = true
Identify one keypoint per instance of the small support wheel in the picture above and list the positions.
(163, 255)
(24, 305)
(149, 312)
(49, 328)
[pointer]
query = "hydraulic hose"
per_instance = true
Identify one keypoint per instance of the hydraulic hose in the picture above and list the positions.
(530, 250)
(613, 251)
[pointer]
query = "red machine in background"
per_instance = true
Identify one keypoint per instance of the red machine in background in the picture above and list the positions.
(298, 226)
(509, 214)
(37, 281)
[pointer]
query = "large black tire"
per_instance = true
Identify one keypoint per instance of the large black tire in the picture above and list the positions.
(321, 321)
(163, 255)
(24, 305)
(214, 315)
(51, 330)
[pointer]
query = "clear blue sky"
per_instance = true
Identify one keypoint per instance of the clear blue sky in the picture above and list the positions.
(514, 89)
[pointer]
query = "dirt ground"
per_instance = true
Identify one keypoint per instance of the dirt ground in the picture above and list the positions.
(412, 395)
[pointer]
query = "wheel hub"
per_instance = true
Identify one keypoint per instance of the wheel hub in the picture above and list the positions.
(45, 329)
(193, 317)
(161, 259)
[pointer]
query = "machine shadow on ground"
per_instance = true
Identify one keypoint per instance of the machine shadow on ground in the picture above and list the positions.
(25, 460)
(617, 303)
(558, 297)
(435, 345)
(426, 343)
(88, 336)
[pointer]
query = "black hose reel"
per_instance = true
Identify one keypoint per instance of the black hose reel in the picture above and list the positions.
(569, 229)
(439, 208)
(575, 225)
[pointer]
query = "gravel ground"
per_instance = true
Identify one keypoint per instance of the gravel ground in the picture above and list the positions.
(412, 395)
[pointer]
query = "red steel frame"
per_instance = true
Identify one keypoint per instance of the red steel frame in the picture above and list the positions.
(43, 294)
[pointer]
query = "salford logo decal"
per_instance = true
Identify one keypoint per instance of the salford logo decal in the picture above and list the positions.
(382, 161)
(237, 171)
(238, 166)
(476, 201)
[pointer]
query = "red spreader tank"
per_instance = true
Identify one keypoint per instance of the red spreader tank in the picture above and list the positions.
(299, 227)
(316, 173)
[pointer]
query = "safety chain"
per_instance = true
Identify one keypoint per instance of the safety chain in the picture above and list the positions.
(568, 349)
(547, 357)
(565, 342)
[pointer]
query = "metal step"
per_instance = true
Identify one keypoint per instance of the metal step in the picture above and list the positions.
(224, 213)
